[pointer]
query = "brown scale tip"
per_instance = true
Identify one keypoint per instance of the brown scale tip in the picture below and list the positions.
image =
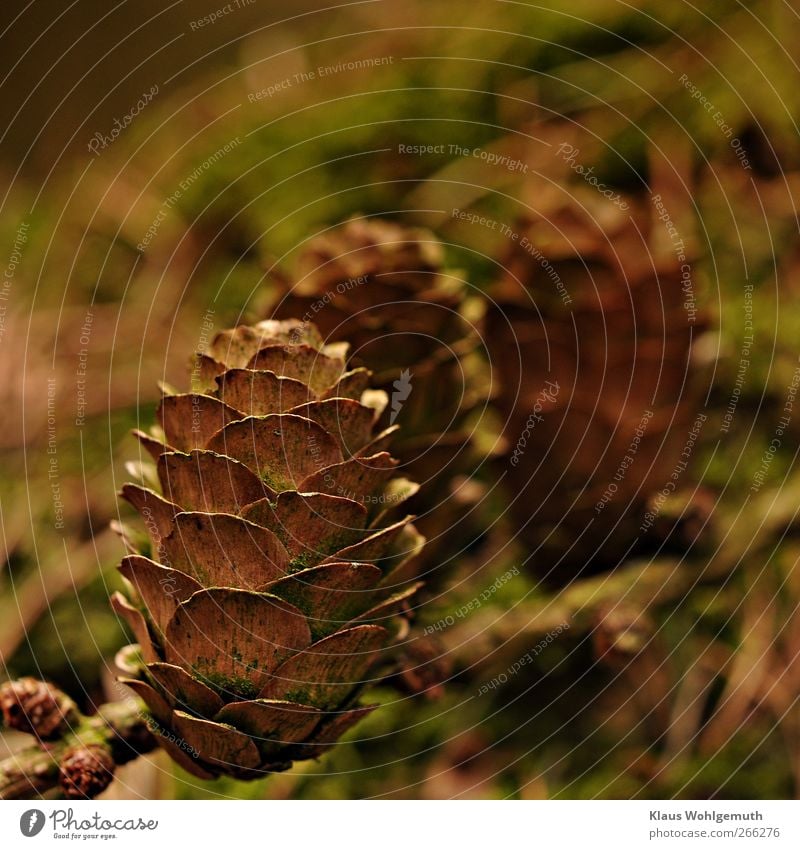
(620, 633)
(424, 668)
(36, 707)
(86, 771)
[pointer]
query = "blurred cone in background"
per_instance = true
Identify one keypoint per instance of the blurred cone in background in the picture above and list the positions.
(386, 289)
(591, 337)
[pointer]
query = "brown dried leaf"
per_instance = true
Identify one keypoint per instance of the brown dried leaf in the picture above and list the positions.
(352, 384)
(204, 373)
(329, 732)
(154, 447)
(156, 704)
(375, 547)
(156, 512)
(381, 442)
(235, 347)
(271, 723)
(389, 608)
(396, 492)
(181, 757)
(400, 565)
(287, 331)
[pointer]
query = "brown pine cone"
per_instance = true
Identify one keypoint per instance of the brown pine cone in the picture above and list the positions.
(86, 771)
(592, 338)
(36, 707)
(276, 576)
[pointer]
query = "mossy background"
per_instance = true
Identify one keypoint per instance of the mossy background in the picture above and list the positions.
(474, 75)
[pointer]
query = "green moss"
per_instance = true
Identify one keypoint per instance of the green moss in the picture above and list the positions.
(224, 684)
(302, 561)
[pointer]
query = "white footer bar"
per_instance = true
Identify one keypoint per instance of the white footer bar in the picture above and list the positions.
(403, 825)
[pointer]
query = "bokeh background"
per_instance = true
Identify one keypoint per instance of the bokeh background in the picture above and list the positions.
(614, 188)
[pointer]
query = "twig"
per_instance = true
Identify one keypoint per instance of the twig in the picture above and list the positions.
(119, 728)
(643, 586)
